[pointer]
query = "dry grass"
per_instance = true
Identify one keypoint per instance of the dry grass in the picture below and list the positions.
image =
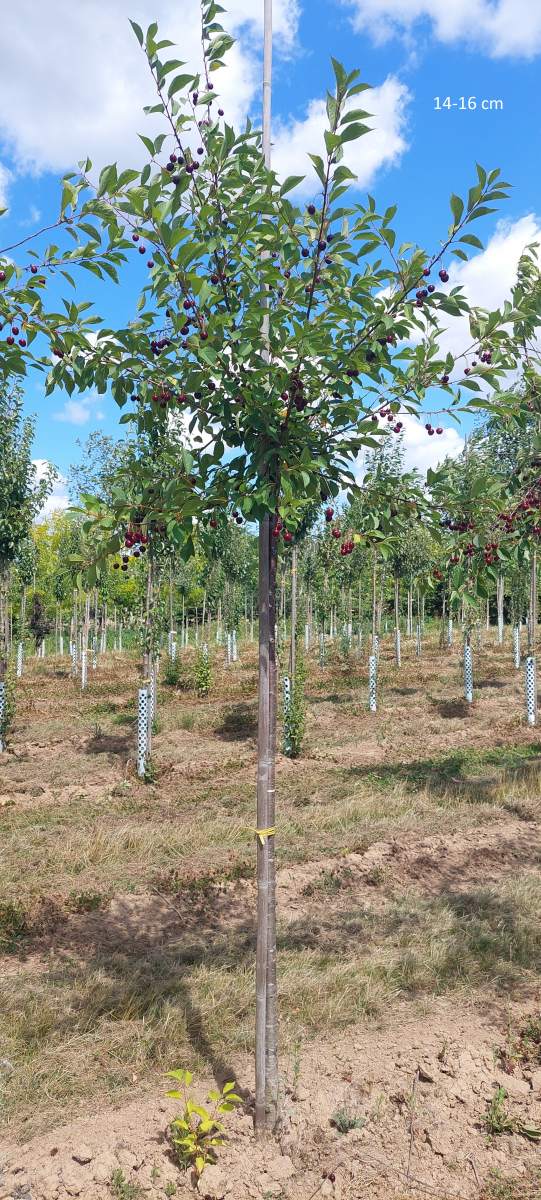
(81, 1002)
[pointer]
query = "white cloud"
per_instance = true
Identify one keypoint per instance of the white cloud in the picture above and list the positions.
(6, 177)
(421, 450)
(500, 28)
(80, 412)
(58, 498)
(383, 147)
(488, 277)
(80, 67)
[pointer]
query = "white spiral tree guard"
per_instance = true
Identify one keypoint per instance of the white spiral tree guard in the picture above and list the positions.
(142, 730)
(372, 683)
(3, 705)
(468, 674)
(322, 649)
(531, 690)
(19, 667)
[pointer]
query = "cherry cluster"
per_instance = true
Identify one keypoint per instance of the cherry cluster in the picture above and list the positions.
(391, 417)
(142, 248)
(15, 331)
(296, 393)
(157, 345)
(530, 503)
(165, 396)
(490, 553)
(430, 429)
(278, 528)
(463, 526)
(423, 292)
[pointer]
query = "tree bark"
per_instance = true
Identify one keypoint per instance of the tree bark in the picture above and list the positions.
(266, 998)
(293, 641)
(3, 624)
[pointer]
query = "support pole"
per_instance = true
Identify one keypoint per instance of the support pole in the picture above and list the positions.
(516, 646)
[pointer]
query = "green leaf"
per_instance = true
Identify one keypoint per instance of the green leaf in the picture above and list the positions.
(483, 211)
(178, 83)
(137, 31)
(472, 240)
(457, 207)
(291, 182)
(318, 164)
(352, 132)
(340, 76)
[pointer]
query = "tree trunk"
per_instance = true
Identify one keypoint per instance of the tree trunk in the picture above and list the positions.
(499, 605)
(293, 641)
(3, 624)
(266, 1007)
(171, 606)
(374, 599)
(266, 1105)
(147, 628)
(532, 624)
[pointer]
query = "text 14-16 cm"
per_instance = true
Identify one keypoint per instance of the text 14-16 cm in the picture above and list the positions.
(465, 103)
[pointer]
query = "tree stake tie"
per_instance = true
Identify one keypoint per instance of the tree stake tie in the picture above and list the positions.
(263, 834)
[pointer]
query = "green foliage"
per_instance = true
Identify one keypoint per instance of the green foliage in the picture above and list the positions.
(197, 1131)
(173, 672)
(196, 348)
(21, 495)
(13, 925)
(122, 1189)
(344, 1122)
(202, 671)
(6, 723)
(497, 1119)
(38, 621)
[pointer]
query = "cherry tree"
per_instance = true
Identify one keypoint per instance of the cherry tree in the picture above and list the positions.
(22, 496)
(270, 334)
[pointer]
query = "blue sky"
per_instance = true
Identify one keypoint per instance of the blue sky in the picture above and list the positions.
(75, 84)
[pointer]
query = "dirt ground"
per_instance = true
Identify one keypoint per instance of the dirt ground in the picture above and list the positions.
(409, 845)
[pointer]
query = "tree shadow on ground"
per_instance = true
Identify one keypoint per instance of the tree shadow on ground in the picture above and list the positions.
(112, 744)
(178, 971)
(238, 723)
(458, 773)
(452, 709)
